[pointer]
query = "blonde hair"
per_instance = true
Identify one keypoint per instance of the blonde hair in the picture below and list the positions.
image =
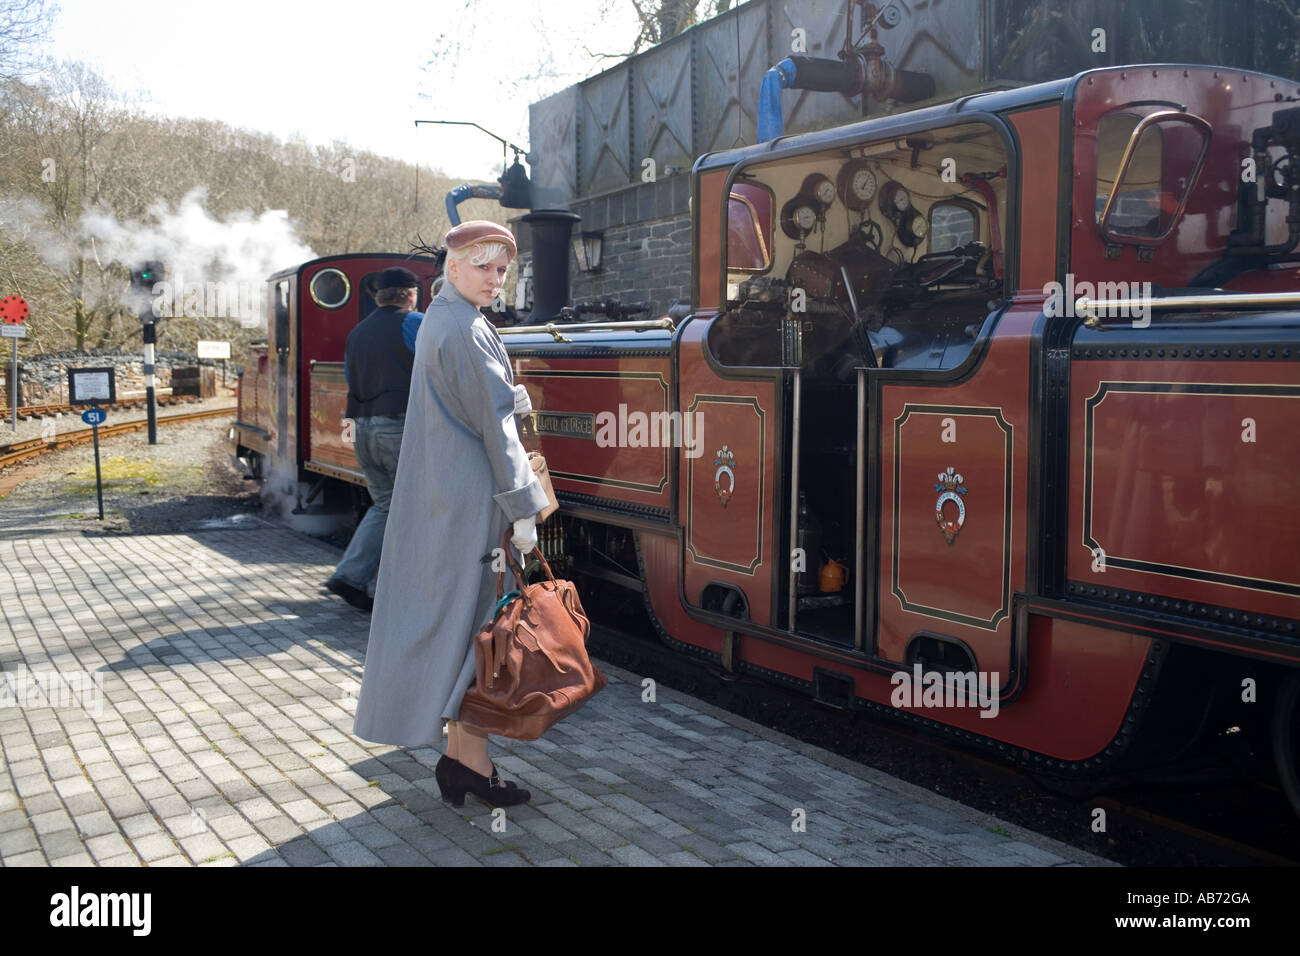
(482, 252)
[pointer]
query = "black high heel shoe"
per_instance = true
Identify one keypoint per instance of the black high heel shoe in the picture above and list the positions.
(455, 780)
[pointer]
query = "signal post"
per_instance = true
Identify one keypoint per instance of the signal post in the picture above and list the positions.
(142, 280)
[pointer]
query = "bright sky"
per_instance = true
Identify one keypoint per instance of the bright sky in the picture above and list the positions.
(350, 72)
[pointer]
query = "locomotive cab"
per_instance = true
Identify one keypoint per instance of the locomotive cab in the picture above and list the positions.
(886, 256)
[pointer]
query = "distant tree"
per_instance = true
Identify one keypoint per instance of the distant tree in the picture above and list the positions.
(74, 155)
(664, 19)
(24, 25)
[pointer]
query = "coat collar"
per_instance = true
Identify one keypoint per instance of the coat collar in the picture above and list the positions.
(451, 294)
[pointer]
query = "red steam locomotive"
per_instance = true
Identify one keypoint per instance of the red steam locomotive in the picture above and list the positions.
(985, 416)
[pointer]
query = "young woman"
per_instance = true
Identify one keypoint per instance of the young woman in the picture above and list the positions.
(462, 478)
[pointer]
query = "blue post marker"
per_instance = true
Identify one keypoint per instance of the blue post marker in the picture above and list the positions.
(94, 417)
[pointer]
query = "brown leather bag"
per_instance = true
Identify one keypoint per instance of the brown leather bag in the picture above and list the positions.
(530, 662)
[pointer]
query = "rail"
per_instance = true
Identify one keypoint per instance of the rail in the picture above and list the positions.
(124, 400)
(18, 451)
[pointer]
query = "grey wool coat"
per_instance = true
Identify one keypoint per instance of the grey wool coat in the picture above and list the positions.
(462, 478)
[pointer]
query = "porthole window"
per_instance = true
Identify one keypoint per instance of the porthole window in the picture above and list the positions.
(330, 288)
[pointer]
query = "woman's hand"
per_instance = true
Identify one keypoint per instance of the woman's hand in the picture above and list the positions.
(525, 534)
(523, 404)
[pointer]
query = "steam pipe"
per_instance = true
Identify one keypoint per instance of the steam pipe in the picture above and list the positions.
(467, 191)
(862, 71)
(770, 122)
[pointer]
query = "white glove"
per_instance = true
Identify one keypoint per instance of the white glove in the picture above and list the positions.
(525, 536)
(523, 404)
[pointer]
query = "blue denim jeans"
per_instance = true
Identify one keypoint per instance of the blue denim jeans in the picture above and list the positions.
(378, 441)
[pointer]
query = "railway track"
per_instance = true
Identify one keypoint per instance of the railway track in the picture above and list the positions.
(19, 451)
(124, 400)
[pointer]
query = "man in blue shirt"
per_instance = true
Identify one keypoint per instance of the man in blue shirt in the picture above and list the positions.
(377, 365)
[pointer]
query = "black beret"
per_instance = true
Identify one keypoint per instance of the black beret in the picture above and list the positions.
(397, 278)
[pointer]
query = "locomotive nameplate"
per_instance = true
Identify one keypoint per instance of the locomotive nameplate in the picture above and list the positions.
(566, 424)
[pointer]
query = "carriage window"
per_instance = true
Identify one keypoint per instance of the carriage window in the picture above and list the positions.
(1146, 169)
(330, 288)
(749, 228)
(952, 225)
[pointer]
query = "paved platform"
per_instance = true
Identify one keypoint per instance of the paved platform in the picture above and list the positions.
(204, 717)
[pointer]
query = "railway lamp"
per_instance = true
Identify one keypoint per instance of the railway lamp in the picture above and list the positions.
(587, 250)
(143, 278)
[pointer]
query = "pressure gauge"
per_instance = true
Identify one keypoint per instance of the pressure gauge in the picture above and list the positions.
(798, 217)
(912, 228)
(820, 188)
(856, 184)
(894, 200)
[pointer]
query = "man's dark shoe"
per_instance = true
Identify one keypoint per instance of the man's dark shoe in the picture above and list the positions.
(355, 596)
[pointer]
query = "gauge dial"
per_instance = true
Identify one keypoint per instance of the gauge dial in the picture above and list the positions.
(856, 184)
(799, 216)
(894, 200)
(820, 188)
(912, 228)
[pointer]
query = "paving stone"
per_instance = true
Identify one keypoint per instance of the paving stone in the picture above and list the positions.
(352, 853)
(400, 854)
(14, 842)
(631, 855)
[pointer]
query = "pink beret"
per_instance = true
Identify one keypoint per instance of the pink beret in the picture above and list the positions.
(480, 230)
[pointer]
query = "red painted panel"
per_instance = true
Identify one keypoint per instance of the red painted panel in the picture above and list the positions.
(662, 557)
(1071, 708)
(1273, 280)
(1040, 134)
(328, 405)
(724, 495)
(637, 474)
(971, 573)
(1174, 488)
(708, 255)
(957, 578)
(742, 532)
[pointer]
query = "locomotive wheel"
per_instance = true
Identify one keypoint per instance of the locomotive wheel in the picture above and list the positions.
(1286, 739)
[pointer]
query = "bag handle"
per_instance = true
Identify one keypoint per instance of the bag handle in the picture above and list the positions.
(518, 570)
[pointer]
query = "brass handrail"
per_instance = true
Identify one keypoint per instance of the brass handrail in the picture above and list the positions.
(1096, 308)
(556, 329)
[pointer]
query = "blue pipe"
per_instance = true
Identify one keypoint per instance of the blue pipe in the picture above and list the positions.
(466, 191)
(770, 122)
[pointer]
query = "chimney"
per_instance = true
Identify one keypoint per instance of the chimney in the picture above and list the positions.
(551, 231)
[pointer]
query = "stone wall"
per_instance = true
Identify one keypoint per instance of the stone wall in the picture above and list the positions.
(44, 378)
(646, 246)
